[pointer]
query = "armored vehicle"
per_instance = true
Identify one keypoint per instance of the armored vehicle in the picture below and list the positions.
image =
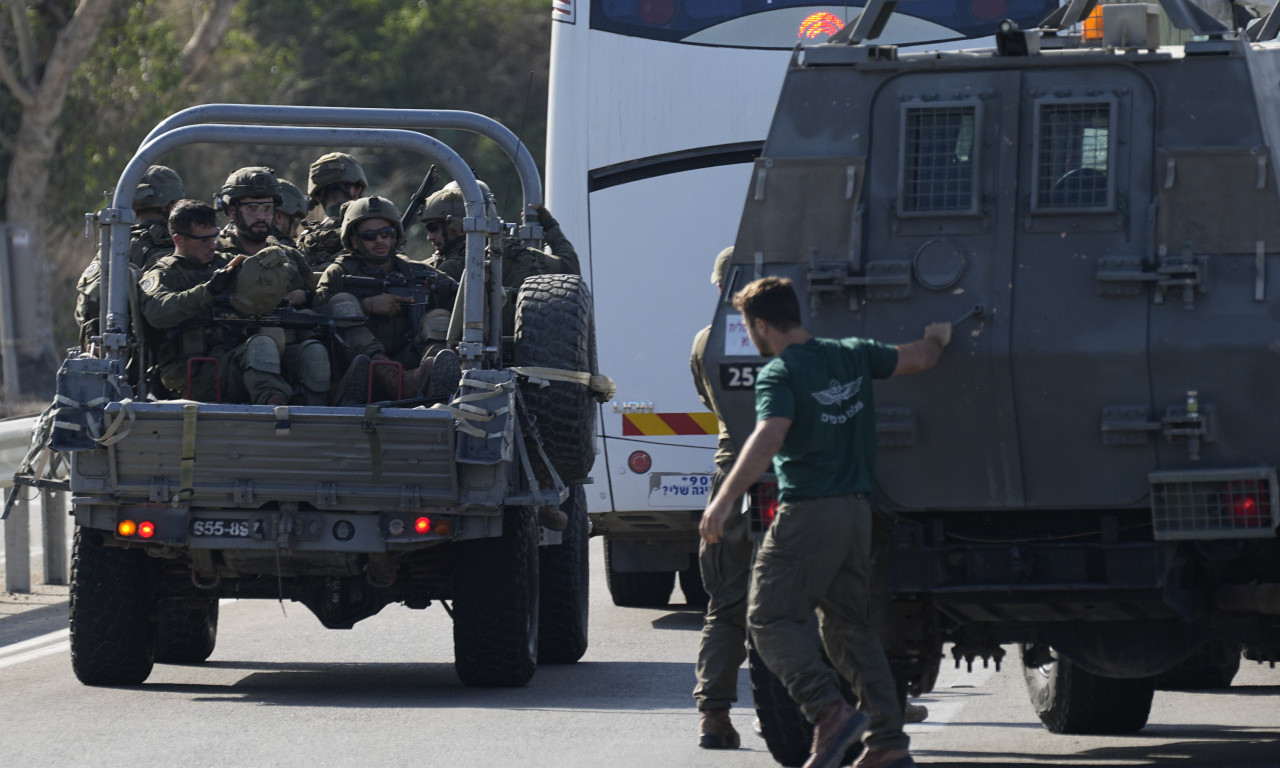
(1090, 472)
(345, 509)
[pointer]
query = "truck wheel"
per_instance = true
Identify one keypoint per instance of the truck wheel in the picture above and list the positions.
(786, 731)
(1208, 668)
(186, 633)
(495, 604)
(554, 329)
(112, 597)
(1072, 701)
(695, 595)
(637, 589)
(564, 584)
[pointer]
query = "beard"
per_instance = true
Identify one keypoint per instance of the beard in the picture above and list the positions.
(251, 234)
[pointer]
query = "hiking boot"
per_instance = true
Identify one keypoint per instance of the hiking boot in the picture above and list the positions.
(915, 713)
(839, 727)
(390, 380)
(716, 730)
(444, 373)
(552, 518)
(353, 389)
(882, 757)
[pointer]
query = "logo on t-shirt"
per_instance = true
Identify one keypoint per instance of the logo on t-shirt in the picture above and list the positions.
(837, 394)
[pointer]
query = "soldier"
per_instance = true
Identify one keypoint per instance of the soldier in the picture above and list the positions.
(726, 574)
(178, 298)
(382, 326)
(251, 197)
(334, 179)
(149, 239)
(289, 214)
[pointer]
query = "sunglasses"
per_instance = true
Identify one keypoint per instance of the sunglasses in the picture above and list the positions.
(197, 238)
(373, 235)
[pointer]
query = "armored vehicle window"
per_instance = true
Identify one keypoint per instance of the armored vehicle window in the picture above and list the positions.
(938, 157)
(1073, 155)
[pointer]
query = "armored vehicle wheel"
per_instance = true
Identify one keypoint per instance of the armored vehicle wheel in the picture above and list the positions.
(786, 731)
(112, 597)
(637, 589)
(695, 595)
(1208, 668)
(186, 631)
(1070, 700)
(563, 584)
(554, 329)
(495, 604)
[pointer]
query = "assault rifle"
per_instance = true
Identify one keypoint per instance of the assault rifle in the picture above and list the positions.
(418, 198)
(282, 317)
(431, 289)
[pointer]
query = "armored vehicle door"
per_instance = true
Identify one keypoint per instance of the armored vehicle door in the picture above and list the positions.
(1015, 193)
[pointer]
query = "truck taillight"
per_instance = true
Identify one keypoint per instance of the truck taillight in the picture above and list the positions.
(422, 525)
(762, 501)
(146, 529)
(639, 462)
(126, 528)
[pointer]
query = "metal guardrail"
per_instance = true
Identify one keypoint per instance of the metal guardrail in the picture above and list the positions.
(15, 440)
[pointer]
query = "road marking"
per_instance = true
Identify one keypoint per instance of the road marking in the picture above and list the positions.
(35, 648)
(950, 693)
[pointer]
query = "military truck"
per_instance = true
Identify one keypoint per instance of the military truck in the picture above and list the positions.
(179, 504)
(1090, 472)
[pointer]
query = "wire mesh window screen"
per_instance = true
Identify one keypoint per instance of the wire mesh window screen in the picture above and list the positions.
(1073, 159)
(938, 159)
(1188, 508)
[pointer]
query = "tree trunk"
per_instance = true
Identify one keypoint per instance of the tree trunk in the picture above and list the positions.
(206, 38)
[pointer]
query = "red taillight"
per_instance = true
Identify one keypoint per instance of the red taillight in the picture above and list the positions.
(768, 501)
(1247, 504)
(146, 529)
(639, 462)
(821, 24)
(126, 527)
(422, 525)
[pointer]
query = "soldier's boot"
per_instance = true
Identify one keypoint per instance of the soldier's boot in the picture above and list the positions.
(716, 731)
(839, 727)
(915, 713)
(436, 376)
(353, 388)
(390, 380)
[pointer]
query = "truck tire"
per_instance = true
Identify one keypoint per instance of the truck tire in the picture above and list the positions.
(637, 589)
(564, 587)
(1069, 700)
(186, 633)
(786, 731)
(554, 329)
(1207, 669)
(495, 604)
(112, 599)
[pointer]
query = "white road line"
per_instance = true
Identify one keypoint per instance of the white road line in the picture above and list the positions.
(36, 647)
(949, 694)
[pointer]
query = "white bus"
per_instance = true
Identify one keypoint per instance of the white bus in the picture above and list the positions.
(656, 110)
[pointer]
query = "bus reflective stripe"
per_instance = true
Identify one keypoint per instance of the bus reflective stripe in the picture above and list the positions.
(670, 424)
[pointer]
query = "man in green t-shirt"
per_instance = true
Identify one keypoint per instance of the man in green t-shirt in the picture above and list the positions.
(815, 422)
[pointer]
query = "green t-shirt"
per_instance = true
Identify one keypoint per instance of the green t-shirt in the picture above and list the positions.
(824, 387)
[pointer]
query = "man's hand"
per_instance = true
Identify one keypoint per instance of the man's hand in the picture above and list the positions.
(712, 524)
(544, 216)
(386, 304)
(940, 332)
(221, 279)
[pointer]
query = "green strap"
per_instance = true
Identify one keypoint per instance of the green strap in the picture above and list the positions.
(188, 466)
(370, 426)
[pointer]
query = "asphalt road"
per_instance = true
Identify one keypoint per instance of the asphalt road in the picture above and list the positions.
(280, 690)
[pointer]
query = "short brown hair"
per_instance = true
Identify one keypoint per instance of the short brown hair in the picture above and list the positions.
(191, 213)
(771, 299)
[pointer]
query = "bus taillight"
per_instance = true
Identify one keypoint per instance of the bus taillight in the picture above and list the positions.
(820, 24)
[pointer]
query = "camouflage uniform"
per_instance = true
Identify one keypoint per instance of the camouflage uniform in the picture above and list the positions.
(148, 242)
(320, 243)
(180, 308)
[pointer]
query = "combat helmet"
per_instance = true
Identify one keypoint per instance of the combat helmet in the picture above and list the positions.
(253, 181)
(721, 267)
(159, 186)
(293, 202)
(334, 168)
(372, 207)
(447, 201)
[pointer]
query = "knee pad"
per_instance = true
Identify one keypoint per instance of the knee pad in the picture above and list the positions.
(262, 353)
(345, 310)
(434, 327)
(313, 366)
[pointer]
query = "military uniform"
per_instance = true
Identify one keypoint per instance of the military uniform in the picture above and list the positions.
(303, 353)
(180, 309)
(321, 243)
(396, 336)
(148, 242)
(726, 571)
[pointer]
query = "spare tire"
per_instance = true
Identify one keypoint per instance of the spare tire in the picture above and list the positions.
(554, 329)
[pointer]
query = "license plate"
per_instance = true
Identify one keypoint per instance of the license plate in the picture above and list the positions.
(676, 490)
(218, 528)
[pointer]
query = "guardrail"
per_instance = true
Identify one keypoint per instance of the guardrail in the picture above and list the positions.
(15, 439)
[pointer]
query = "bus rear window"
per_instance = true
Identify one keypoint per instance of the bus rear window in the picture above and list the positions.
(938, 159)
(801, 20)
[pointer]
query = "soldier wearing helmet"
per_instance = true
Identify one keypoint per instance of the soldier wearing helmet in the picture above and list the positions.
(379, 325)
(159, 188)
(442, 215)
(289, 213)
(334, 179)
